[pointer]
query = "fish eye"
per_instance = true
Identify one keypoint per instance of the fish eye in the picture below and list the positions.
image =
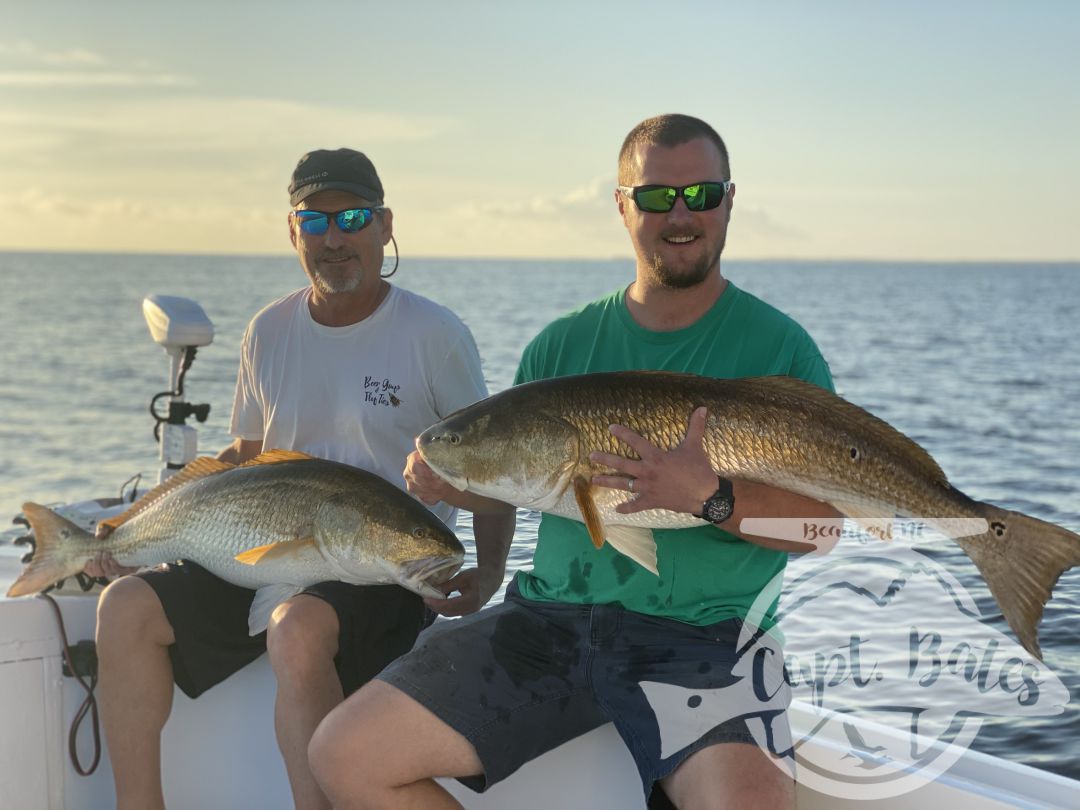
(453, 438)
(418, 532)
(856, 454)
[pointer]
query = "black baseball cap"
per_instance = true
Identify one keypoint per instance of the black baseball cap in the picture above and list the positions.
(338, 169)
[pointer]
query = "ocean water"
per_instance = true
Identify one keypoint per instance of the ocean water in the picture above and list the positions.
(979, 363)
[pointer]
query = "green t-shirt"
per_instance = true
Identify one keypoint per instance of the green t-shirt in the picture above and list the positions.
(706, 574)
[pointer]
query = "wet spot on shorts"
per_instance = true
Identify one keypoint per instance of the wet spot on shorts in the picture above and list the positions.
(642, 661)
(624, 568)
(517, 644)
(694, 701)
(704, 667)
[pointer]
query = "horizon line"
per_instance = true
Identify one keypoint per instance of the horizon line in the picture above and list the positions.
(595, 259)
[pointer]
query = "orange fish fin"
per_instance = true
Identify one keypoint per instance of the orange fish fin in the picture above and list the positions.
(61, 550)
(274, 551)
(589, 513)
(583, 494)
(277, 457)
(192, 471)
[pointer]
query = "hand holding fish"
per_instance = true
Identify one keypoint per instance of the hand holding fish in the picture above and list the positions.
(104, 566)
(475, 587)
(423, 483)
(678, 480)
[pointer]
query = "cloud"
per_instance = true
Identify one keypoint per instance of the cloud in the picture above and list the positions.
(47, 78)
(758, 222)
(195, 124)
(24, 64)
(592, 197)
(95, 213)
(29, 53)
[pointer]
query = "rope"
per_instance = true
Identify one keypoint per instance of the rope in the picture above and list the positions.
(89, 703)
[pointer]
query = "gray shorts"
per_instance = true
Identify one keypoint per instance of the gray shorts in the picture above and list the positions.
(521, 678)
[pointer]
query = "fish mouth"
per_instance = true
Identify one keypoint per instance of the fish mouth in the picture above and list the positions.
(420, 575)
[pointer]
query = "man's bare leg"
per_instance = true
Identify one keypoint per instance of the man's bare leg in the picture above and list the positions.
(135, 688)
(302, 641)
(729, 776)
(381, 749)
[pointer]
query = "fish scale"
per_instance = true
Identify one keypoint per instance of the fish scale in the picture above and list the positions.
(530, 446)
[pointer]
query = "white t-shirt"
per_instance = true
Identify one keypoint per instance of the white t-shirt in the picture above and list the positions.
(357, 394)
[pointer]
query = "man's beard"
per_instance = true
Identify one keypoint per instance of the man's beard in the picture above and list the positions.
(686, 279)
(332, 285)
(333, 280)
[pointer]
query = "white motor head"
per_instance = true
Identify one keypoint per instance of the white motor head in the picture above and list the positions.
(177, 322)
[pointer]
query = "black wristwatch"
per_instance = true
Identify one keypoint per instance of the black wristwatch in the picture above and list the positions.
(719, 506)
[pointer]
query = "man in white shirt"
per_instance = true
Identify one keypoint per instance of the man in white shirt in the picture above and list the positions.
(349, 368)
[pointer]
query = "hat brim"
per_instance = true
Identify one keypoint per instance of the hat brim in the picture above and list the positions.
(304, 192)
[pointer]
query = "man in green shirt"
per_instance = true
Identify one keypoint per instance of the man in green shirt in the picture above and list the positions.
(584, 637)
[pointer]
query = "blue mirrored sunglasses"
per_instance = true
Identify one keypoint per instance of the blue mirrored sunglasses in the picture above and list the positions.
(350, 220)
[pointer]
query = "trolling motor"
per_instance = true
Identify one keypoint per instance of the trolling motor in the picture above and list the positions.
(180, 326)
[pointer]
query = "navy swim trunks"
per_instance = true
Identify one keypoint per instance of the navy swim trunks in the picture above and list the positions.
(521, 678)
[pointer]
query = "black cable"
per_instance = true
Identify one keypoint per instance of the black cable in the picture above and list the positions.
(134, 481)
(89, 703)
(189, 358)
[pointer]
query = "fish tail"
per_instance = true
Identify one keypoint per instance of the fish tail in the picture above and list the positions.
(1021, 558)
(56, 552)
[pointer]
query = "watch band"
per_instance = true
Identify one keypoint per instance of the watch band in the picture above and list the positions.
(719, 506)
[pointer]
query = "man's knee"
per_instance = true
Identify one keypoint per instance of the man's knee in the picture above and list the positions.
(731, 775)
(381, 739)
(302, 634)
(128, 612)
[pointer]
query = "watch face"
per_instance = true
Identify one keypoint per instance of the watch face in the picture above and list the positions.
(717, 509)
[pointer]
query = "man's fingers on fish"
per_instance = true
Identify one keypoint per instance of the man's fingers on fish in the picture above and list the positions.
(458, 605)
(621, 464)
(622, 482)
(695, 430)
(638, 443)
(638, 503)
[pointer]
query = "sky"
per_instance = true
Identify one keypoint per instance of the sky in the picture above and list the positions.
(857, 130)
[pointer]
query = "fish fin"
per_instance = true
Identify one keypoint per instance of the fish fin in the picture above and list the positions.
(192, 471)
(266, 600)
(275, 551)
(1021, 558)
(635, 542)
(868, 518)
(55, 554)
(277, 457)
(589, 513)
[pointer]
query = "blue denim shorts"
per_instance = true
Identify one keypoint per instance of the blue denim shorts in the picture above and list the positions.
(521, 678)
